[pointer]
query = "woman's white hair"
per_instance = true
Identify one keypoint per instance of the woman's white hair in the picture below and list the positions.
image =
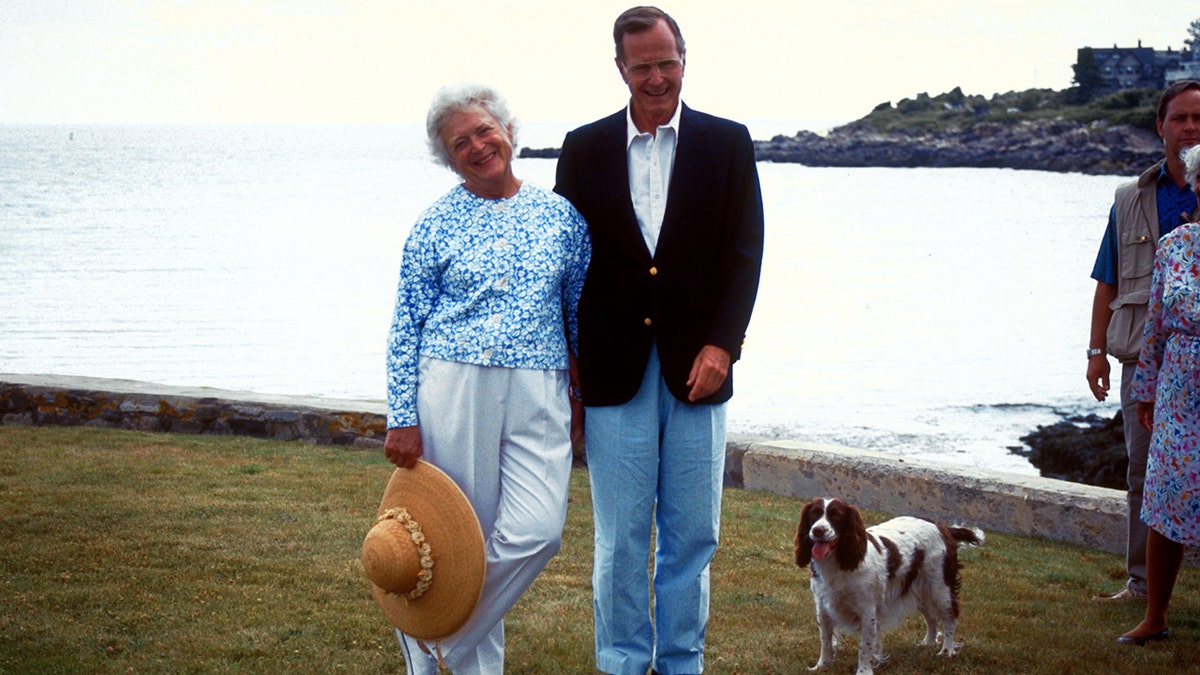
(458, 97)
(1191, 165)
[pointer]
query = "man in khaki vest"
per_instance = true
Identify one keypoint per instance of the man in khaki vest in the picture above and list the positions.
(1143, 211)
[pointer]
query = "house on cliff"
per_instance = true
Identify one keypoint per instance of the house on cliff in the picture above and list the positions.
(1108, 70)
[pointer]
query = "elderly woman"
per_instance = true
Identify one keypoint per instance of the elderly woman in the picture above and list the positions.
(1167, 388)
(478, 359)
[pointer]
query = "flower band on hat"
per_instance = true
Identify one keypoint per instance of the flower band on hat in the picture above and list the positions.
(425, 576)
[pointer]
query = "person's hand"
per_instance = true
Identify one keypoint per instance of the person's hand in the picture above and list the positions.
(1097, 376)
(709, 370)
(403, 446)
(1145, 413)
(576, 422)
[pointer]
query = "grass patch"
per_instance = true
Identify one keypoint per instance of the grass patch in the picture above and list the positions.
(125, 552)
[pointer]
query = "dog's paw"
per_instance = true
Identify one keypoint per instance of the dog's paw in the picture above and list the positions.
(950, 649)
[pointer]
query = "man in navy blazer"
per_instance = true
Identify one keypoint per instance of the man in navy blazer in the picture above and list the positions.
(672, 200)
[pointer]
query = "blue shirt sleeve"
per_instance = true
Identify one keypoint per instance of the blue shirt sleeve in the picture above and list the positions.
(579, 253)
(1105, 269)
(415, 297)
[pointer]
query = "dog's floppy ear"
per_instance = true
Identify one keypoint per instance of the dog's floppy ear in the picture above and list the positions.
(804, 544)
(852, 537)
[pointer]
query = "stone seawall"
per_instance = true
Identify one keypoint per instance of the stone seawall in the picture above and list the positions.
(126, 404)
(995, 501)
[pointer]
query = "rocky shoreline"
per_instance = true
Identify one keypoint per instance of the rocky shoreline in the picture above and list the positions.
(1088, 449)
(1041, 145)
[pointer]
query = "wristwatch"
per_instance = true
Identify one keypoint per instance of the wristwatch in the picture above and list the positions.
(1094, 352)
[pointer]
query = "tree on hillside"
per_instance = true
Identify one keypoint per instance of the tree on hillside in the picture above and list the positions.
(1087, 77)
(1193, 41)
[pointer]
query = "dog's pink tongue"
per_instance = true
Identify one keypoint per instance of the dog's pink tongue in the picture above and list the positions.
(821, 549)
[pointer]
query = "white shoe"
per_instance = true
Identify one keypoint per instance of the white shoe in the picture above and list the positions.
(1124, 595)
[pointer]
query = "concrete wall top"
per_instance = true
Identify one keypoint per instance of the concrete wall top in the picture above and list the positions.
(1059, 510)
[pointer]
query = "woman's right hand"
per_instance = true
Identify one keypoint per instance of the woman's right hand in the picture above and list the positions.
(403, 446)
(1145, 413)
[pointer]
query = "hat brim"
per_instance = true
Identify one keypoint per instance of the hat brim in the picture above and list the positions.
(452, 530)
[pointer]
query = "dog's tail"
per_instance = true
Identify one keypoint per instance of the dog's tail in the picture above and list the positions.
(966, 536)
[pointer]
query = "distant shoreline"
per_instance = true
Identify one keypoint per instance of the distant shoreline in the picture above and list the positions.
(1037, 145)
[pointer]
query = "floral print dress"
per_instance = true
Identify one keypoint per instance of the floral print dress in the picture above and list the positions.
(1169, 374)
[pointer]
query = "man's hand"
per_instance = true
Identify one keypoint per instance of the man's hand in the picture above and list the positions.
(1097, 376)
(1097, 366)
(709, 370)
(403, 446)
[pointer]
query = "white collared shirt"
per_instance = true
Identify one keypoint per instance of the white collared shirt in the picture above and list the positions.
(651, 160)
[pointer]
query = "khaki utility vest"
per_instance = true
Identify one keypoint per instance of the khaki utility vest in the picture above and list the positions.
(1137, 237)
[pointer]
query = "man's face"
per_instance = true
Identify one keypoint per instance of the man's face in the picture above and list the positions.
(653, 70)
(1180, 128)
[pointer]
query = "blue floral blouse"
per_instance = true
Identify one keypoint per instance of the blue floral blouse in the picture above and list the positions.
(489, 282)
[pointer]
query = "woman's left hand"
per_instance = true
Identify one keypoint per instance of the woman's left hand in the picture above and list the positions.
(576, 422)
(1145, 414)
(576, 400)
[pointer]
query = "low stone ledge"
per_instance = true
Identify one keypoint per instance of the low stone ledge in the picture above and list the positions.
(34, 400)
(997, 501)
(992, 500)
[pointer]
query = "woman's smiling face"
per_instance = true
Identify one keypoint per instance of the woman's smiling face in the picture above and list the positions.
(481, 151)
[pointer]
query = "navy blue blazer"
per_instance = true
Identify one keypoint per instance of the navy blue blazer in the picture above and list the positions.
(700, 285)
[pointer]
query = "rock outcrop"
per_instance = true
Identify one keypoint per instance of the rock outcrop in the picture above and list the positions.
(1087, 450)
(1045, 145)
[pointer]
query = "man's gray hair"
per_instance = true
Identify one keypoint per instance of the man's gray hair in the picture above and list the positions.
(638, 19)
(456, 98)
(1191, 165)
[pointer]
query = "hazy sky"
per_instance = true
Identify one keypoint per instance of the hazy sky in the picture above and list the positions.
(380, 61)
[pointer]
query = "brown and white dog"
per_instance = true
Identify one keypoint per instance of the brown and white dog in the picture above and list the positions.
(866, 580)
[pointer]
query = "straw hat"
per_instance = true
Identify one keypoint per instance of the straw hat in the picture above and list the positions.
(425, 555)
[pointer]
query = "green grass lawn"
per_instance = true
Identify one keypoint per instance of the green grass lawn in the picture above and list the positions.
(125, 552)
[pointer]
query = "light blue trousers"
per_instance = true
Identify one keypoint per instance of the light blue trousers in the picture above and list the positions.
(654, 460)
(503, 435)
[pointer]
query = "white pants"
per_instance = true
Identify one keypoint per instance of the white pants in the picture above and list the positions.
(502, 434)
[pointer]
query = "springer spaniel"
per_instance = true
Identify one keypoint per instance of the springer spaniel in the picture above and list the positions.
(866, 580)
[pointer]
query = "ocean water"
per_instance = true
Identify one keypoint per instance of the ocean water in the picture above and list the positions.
(932, 313)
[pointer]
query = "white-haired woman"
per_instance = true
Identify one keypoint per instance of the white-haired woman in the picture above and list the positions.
(1167, 388)
(478, 359)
